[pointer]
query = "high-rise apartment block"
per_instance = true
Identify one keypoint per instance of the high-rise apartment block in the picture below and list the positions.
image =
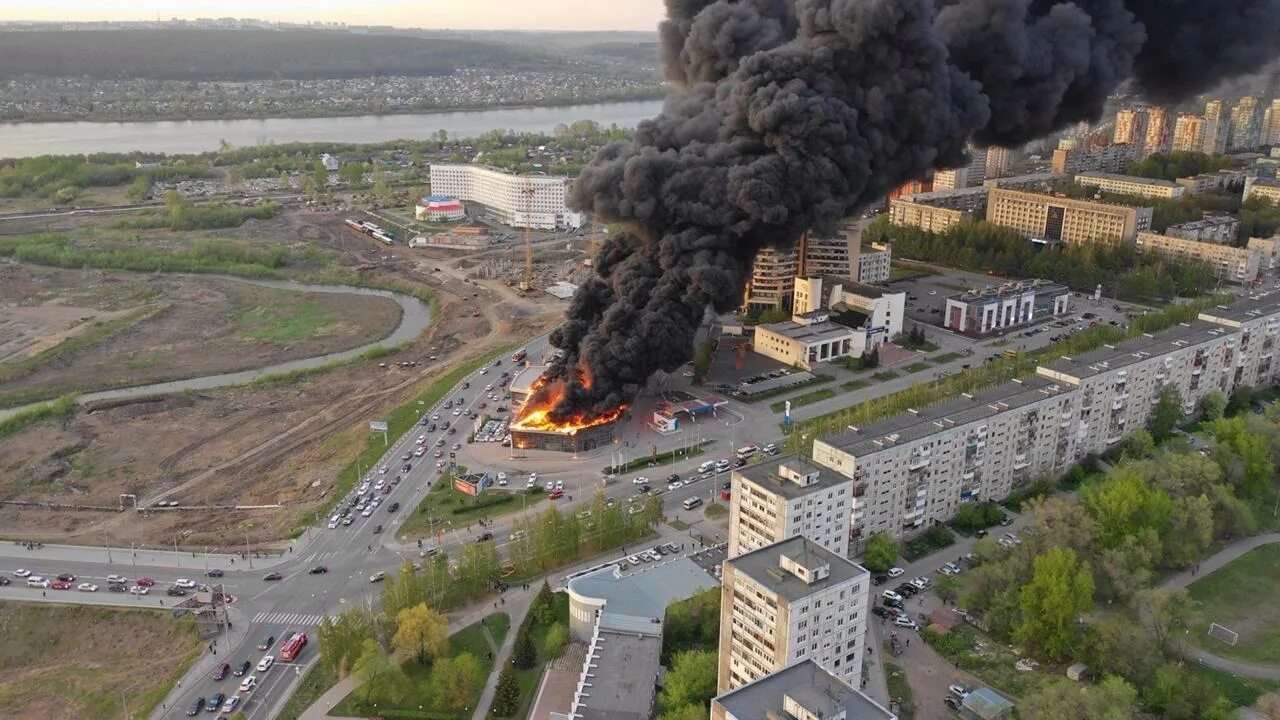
(786, 497)
(1131, 126)
(1058, 218)
(773, 277)
(1158, 131)
(916, 469)
(1095, 158)
(1229, 263)
(1246, 124)
(1270, 134)
(791, 601)
(971, 175)
(997, 162)
(1188, 133)
(1217, 127)
(802, 691)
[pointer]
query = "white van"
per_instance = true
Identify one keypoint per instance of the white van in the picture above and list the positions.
(707, 466)
(692, 503)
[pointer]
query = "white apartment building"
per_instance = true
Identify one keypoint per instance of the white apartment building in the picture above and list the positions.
(914, 469)
(788, 602)
(1229, 263)
(874, 265)
(537, 201)
(786, 497)
(803, 691)
(1129, 185)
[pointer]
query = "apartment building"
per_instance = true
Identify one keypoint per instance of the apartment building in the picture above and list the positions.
(785, 497)
(997, 162)
(537, 201)
(1059, 218)
(802, 691)
(915, 212)
(1261, 187)
(772, 279)
(1268, 252)
(1157, 138)
(1246, 124)
(1217, 127)
(971, 175)
(1188, 133)
(790, 601)
(1129, 185)
(1209, 182)
(1270, 134)
(1096, 158)
(874, 265)
(836, 255)
(1229, 263)
(915, 469)
(1221, 229)
(1131, 126)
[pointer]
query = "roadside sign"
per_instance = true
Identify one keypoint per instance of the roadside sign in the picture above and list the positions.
(378, 426)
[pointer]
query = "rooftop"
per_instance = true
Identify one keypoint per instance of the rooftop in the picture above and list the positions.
(523, 380)
(804, 682)
(1017, 287)
(764, 567)
(765, 474)
(1128, 178)
(923, 422)
(817, 332)
(636, 600)
(1136, 350)
(622, 676)
(1252, 308)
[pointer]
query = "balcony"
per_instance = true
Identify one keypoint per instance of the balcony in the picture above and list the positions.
(1117, 404)
(1020, 461)
(917, 463)
(1113, 439)
(967, 475)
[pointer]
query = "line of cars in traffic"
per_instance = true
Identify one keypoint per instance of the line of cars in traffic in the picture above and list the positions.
(115, 583)
(290, 648)
(366, 498)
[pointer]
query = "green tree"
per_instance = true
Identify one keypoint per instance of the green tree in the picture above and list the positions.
(284, 182)
(506, 696)
(1140, 444)
(881, 553)
(774, 315)
(1168, 612)
(1213, 405)
(1116, 645)
(340, 639)
(692, 680)
(947, 587)
(457, 680)
(352, 173)
(685, 712)
(1060, 591)
(1177, 694)
(140, 190)
(382, 191)
(382, 679)
(320, 175)
(420, 634)
(523, 654)
(556, 639)
(1240, 401)
(1123, 504)
(1190, 531)
(1166, 416)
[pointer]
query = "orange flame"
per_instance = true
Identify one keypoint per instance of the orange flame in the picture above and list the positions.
(535, 415)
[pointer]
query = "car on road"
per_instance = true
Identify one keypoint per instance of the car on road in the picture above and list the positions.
(378, 576)
(221, 671)
(502, 478)
(958, 690)
(272, 576)
(242, 668)
(214, 572)
(1012, 538)
(87, 587)
(60, 585)
(484, 537)
(184, 583)
(1007, 521)
(903, 621)
(639, 481)
(120, 579)
(231, 704)
(144, 582)
(393, 507)
(249, 683)
(556, 494)
(266, 662)
(896, 572)
(36, 581)
(22, 572)
(953, 702)
(367, 511)
(215, 702)
(139, 590)
(266, 644)
(950, 569)
(173, 591)
(643, 489)
(68, 577)
(4, 580)
(196, 706)
(318, 570)
(674, 484)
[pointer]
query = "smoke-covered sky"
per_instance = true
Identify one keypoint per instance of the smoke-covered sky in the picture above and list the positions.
(789, 115)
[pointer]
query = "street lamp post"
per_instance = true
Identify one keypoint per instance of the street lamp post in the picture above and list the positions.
(246, 545)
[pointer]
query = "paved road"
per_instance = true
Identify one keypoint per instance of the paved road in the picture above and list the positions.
(414, 318)
(1207, 567)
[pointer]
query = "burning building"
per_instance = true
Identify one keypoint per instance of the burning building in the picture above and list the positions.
(534, 429)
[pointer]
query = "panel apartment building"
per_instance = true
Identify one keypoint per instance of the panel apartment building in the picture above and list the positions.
(791, 601)
(803, 691)
(1059, 218)
(537, 201)
(1229, 263)
(1129, 185)
(912, 470)
(786, 497)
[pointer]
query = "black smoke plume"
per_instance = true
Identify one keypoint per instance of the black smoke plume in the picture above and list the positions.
(789, 115)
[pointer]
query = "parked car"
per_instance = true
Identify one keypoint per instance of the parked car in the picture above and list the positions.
(896, 572)
(903, 621)
(952, 702)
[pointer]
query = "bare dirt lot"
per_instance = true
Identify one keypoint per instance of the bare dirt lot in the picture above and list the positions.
(265, 444)
(72, 331)
(62, 662)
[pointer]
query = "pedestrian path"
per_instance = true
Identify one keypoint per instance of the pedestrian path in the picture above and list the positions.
(286, 618)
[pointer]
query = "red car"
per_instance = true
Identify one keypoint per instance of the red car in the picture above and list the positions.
(145, 582)
(60, 585)
(221, 671)
(556, 494)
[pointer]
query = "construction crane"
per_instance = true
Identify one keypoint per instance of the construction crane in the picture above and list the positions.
(527, 283)
(593, 244)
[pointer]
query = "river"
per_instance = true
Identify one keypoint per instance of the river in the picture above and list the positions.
(195, 136)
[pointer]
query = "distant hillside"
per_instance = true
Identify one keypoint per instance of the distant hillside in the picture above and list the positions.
(250, 54)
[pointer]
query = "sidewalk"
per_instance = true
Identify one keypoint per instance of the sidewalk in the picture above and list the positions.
(204, 665)
(161, 559)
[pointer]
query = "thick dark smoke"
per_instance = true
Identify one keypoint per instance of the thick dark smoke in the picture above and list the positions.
(789, 115)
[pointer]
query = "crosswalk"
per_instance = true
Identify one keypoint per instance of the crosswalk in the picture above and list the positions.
(315, 557)
(284, 618)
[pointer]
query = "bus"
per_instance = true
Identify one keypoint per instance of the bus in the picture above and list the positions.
(747, 452)
(290, 649)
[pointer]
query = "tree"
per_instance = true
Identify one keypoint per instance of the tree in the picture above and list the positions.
(352, 173)
(320, 175)
(774, 315)
(381, 677)
(1178, 694)
(382, 191)
(881, 553)
(692, 680)
(341, 640)
(284, 183)
(1115, 645)
(685, 712)
(420, 634)
(140, 189)
(871, 359)
(1240, 401)
(1190, 531)
(1168, 612)
(523, 654)
(1140, 444)
(457, 680)
(1127, 568)
(1058, 521)
(1123, 504)
(1213, 405)
(947, 587)
(1060, 591)
(557, 638)
(506, 696)
(1063, 699)
(1166, 416)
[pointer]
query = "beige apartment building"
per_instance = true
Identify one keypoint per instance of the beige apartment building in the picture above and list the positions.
(930, 218)
(788, 602)
(1129, 185)
(1188, 133)
(1269, 252)
(1221, 229)
(537, 201)
(1131, 126)
(772, 278)
(1265, 188)
(1099, 158)
(786, 497)
(1229, 263)
(1059, 218)
(917, 468)
(1157, 139)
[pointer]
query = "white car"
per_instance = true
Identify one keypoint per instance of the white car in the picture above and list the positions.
(674, 484)
(903, 621)
(922, 583)
(87, 587)
(422, 439)
(184, 583)
(376, 577)
(959, 691)
(383, 470)
(502, 478)
(248, 684)
(896, 572)
(891, 595)
(367, 511)
(950, 569)
(531, 484)
(265, 663)
(1013, 538)
(456, 413)
(118, 579)
(231, 704)
(419, 452)
(139, 590)
(633, 560)
(533, 477)
(550, 486)
(559, 484)
(22, 572)
(639, 480)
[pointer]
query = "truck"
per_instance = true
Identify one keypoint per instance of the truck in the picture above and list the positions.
(519, 355)
(291, 647)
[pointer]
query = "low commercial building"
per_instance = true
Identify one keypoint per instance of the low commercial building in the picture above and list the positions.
(876, 310)
(1229, 263)
(1129, 185)
(803, 691)
(786, 497)
(809, 339)
(787, 602)
(1261, 187)
(999, 309)
(439, 208)
(1073, 221)
(534, 201)
(1221, 229)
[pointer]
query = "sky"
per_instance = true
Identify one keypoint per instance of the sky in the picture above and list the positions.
(464, 14)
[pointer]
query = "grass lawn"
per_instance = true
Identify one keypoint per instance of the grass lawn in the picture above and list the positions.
(286, 323)
(854, 385)
(806, 399)
(1240, 691)
(815, 380)
(716, 510)
(884, 375)
(1231, 597)
(528, 679)
(420, 701)
(314, 684)
(917, 367)
(75, 661)
(945, 358)
(896, 680)
(443, 502)
(678, 524)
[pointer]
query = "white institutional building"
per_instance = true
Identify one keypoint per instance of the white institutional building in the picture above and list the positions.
(536, 201)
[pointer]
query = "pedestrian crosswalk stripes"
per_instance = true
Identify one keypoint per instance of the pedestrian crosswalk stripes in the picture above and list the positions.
(284, 618)
(313, 557)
